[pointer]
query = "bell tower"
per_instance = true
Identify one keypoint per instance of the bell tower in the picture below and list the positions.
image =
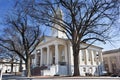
(55, 32)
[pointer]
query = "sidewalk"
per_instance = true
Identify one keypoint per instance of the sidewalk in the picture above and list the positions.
(63, 77)
(13, 77)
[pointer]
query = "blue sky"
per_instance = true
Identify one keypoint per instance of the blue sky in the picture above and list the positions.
(6, 5)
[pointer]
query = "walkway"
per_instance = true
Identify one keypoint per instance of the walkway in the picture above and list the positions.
(13, 77)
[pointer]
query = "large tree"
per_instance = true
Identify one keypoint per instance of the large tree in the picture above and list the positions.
(85, 21)
(21, 35)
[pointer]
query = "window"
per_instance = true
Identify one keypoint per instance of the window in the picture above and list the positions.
(113, 63)
(63, 56)
(113, 67)
(106, 67)
(89, 55)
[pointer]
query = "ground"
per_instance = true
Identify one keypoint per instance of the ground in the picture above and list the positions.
(13, 77)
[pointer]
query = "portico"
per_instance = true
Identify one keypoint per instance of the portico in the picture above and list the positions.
(51, 54)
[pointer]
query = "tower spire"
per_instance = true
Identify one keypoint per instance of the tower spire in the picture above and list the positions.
(58, 15)
(59, 12)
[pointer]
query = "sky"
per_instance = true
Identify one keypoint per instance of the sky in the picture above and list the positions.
(6, 5)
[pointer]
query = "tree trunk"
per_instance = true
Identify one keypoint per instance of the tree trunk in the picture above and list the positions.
(20, 65)
(12, 65)
(76, 63)
(28, 67)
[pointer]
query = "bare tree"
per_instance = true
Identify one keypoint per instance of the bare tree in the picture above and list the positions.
(85, 21)
(21, 36)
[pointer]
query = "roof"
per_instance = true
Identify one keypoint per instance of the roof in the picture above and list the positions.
(111, 51)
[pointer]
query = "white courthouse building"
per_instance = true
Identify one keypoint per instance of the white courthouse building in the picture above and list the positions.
(56, 53)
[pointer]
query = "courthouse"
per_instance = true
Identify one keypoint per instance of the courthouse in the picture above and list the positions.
(56, 54)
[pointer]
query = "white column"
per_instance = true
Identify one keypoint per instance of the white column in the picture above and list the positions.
(50, 57)
(71, 55)
(66, 54)
(48, 51)
(86, 52)
(1, 73)
(92, 57)
(80, 57)
(41, 61)
(56, 53)
(35, 61)
(101, 61)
